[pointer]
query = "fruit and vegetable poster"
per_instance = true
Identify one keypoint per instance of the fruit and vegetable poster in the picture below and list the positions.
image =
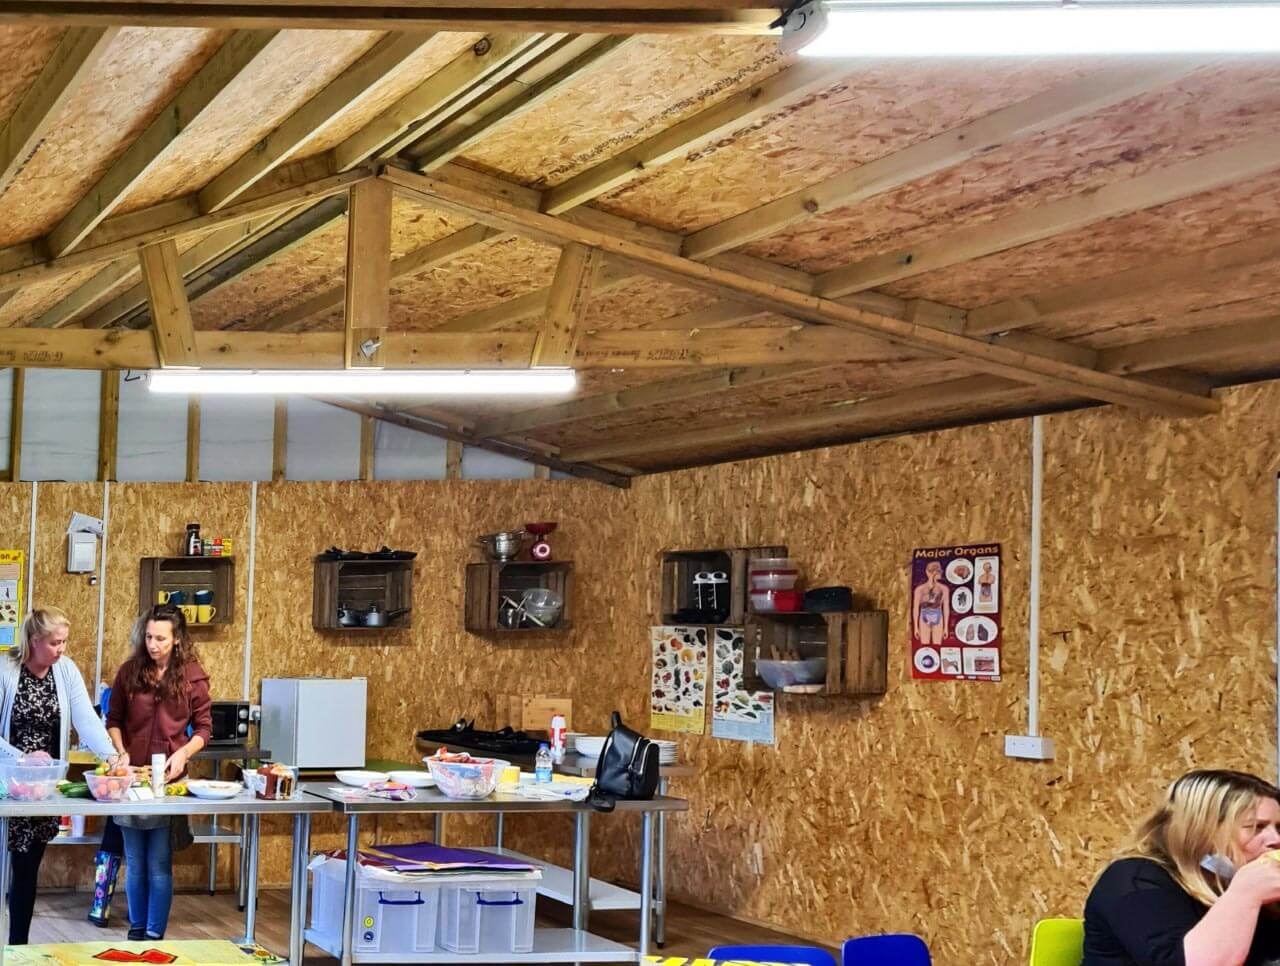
(736, 714)
(11, 600)
(678, 696)
(955, 613)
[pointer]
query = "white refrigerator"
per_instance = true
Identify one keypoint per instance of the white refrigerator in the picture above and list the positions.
(314, 722)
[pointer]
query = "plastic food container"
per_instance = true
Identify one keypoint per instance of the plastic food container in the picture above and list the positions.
(774, 579)
(776, 601)
(772, 563)
(472, 780)
(31, 783)
(109, 788)
(781, 674)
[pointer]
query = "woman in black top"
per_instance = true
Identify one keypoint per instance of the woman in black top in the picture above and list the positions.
(1195, 888)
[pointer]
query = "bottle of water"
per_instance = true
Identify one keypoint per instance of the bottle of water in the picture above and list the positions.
(542, 765)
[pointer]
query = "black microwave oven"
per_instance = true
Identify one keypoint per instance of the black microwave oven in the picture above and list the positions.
(230, 723)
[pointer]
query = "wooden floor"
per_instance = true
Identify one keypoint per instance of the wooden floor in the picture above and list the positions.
(60, 917)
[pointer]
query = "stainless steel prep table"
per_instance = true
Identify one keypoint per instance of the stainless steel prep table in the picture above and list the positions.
(574, 945)
(301, 807)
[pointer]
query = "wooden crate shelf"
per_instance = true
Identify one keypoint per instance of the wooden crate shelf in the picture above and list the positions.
(680, 604)
(189, 574)
(488, 583)
(357, 584)
(855, 644)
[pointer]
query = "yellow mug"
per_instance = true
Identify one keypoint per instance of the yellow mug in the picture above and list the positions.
(189, 612)
(205, 613)
(171, 596)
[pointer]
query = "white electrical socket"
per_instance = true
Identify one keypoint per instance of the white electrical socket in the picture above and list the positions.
(1033, 747)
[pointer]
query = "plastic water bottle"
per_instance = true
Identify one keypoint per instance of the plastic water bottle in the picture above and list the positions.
(542, 765)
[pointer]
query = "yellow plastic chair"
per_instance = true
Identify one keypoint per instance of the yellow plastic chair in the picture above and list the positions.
(1058, 942)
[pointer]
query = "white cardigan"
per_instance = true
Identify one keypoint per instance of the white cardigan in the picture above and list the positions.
(72, 697)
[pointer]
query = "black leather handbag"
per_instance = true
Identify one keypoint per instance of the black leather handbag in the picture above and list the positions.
(628, 768)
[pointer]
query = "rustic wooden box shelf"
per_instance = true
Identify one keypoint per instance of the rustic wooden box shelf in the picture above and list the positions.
(189, 574)
(489, 583)
(687, 600)
(855, 644)
(358, 583)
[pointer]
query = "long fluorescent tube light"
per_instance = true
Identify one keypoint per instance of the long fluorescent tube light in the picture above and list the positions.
(544, 381)
(1035, 29)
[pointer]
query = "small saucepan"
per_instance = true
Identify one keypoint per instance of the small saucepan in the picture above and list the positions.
(374, 617)
(347, 617)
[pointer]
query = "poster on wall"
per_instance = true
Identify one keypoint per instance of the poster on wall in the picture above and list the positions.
(736, 714)
(678, 696)
(955, 613)
(11, 599)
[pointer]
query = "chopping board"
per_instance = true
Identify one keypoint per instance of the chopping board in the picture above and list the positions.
(532, 712)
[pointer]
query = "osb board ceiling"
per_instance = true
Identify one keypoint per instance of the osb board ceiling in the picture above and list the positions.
(23, 51)
(665, 136)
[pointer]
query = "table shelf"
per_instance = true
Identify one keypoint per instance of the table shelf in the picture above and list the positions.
(549, 946)
(557, 884)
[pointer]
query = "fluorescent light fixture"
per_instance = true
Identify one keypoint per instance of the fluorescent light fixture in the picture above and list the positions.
(1027, 28)
(543, 381)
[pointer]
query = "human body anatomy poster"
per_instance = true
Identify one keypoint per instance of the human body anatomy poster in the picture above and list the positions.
(11, 599)
(736, 714)
(955, 613)
(678, 695)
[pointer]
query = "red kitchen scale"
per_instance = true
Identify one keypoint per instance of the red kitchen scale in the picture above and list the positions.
(541, 549)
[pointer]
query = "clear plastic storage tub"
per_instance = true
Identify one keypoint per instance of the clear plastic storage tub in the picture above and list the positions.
(391, 917)
(31, 782)
(496, 917)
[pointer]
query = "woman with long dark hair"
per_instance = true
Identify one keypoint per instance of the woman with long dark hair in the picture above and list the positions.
(157, 693)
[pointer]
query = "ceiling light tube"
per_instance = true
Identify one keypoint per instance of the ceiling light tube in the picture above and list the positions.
(543, 381)
(1031, 29)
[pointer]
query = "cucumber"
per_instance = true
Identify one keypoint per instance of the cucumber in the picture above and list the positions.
(76, 790)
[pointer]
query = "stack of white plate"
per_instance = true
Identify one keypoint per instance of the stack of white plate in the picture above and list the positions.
(589, 746)
(666, 751)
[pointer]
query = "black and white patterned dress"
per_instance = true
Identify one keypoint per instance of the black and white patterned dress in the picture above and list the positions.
(35, 725)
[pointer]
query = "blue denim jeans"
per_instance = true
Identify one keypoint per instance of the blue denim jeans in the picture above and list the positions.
(148, 878)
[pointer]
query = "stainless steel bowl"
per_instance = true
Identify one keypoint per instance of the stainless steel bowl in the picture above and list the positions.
(502, 546)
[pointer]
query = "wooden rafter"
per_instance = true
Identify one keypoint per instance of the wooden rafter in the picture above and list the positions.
(71, 62)
(175, 335)
(1159, 187)
(1206, 345)
(557, 339)
(239, 50)
(740, 17)
(368, 288)
(1049, 373)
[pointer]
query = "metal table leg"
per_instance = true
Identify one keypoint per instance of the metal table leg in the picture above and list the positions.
(213, 864)
(243, 878)
(4, 886)
(581, 870)
(437, 836)
(251, 885)
(660, 873)
(501, 829)
(646, 882)
(349, 897)
(298, 892)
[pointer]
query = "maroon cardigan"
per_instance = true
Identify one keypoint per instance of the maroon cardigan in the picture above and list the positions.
(150, 726)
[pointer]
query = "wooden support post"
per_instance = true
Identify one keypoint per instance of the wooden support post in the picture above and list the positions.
(367, 428)
(108, 424)
(452, 460)
(15, 425)
(567, 305)
(279, 440)
(542, 472)
(193, 440)
(368, 292)
(170, 313)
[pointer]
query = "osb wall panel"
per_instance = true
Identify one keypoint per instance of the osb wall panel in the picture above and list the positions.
(138, 75)
(24, 51)
(1228, 104)
(866, 115)
(294, 67)
(643, 87)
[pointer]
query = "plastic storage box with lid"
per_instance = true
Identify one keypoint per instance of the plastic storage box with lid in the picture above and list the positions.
(490, 917)
(391, 917)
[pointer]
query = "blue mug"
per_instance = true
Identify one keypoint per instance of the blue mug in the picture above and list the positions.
(204, 596)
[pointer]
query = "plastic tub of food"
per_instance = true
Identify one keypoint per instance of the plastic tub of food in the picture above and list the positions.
(776, 601)
(31, 782)
(772, 563)
(782, 674)
(109, 788)
(462, 776)
(774, 579)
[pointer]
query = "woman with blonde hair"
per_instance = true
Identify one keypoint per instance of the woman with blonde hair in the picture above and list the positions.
(1194, 885)
(42, 696)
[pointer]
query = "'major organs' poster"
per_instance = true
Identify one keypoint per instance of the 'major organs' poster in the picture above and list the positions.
(955, 613)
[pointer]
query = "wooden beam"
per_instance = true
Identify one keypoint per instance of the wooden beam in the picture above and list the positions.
(70, 63)
(1205, 345)
(1159, 187)
(751, 18)
(682, 139)
(279, 439)
(1043, 112)
(453, 460)
(1153, 276)
(171, 313)
(237, 53)
(300, 128)
(193, 439)
(24, 265)
(536, 457)
(85, 296)
(557, 341)
(368, 288)
(108, 424)
(541, 472)
(15, 424)
(440, 149)
(367, 438)
(1048, 373)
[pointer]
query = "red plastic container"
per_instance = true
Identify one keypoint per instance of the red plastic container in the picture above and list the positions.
(777, 601)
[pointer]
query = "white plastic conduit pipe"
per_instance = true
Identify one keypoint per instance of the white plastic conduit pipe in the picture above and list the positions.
(1278, 627)
(248, 597)
(102, 579)
(1033, 660)
(31, 546)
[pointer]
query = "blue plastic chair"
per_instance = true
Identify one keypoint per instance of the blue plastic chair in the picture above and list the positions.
(798, 955)
(898, 949)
